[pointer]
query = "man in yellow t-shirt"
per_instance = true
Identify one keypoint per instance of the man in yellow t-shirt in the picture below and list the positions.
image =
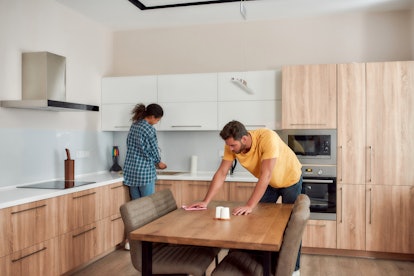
(268, 158)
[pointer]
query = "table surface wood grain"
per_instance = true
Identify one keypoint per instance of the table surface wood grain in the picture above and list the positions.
(261, 230)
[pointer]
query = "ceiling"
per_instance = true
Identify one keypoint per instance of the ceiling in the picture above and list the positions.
(123, 15)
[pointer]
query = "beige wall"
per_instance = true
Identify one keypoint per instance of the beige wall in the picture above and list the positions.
(265, 45)
(45, 25)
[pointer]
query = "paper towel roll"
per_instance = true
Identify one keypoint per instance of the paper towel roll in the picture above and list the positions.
(194, 164)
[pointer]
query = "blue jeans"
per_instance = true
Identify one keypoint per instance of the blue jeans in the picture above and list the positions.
(289, 196)
(141, 191)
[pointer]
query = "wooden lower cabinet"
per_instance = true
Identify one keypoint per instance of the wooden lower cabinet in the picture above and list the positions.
(41, 259)
(351, 217)
(81, 245)
(320, 234)
(196, 190)
(174, 186)
(390, 219)
(115, 227)
(240, 191)
(5, 232)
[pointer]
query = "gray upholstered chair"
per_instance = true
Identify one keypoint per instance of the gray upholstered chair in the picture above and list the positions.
(166, 259)
(244, 262)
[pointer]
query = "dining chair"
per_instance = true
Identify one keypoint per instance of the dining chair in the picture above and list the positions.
(248, 262)
(166, 258)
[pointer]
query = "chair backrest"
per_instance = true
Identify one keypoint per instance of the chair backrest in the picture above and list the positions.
(293, 236)
(136, 213)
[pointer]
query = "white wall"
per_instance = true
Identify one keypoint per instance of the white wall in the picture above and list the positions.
(45, 25)
(343, 38)
(32, 143)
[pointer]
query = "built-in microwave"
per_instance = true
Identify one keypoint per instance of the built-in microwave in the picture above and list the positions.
(312, 146)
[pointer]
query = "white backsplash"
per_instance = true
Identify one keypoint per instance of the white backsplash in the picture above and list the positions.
(31, 155)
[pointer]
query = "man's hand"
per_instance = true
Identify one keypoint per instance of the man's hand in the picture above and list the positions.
(242, 210)
(201, 204)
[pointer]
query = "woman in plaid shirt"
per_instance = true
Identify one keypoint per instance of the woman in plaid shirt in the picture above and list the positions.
(142, 156)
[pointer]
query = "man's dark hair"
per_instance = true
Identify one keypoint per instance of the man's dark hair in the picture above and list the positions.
(233, 129)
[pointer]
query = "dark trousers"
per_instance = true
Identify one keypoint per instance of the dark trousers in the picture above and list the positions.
(288, 195)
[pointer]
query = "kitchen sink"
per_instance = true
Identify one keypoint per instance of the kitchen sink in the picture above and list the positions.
(168, 172)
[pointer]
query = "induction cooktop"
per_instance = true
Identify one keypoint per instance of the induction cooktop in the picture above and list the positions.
(57, 184)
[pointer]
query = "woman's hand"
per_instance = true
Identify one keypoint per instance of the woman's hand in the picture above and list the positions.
(201, 204)
(161, 166)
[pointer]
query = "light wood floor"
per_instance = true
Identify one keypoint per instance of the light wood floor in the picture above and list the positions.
(119, 263)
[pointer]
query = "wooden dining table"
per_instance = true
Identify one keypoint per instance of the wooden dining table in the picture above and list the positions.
(260, 230)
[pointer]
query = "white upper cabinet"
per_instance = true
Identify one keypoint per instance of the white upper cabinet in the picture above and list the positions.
(189, 101)
(257, 106)
(187, 88)
(263, 85)
(120, 95)
(138, 89)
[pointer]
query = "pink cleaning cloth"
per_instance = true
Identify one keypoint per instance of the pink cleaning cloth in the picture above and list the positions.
(194, 208)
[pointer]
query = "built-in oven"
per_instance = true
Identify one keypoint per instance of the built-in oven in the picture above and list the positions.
(319, 183)
(316, 150)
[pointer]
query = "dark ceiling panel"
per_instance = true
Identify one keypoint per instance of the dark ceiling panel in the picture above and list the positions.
(141, 6)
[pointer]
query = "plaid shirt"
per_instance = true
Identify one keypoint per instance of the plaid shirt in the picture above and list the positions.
(142, 155)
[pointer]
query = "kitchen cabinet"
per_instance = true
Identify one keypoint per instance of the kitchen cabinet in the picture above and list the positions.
(116, 195)
(32, 223)
(193, 191)
(309, 96)
(81, 245)
(261, 108)
(374, 156)
(389, 218)
(80, 208)
(240, 191)
(120, 95)
(390, 117)
(5, 232)
(189, 101)
(351, 217)
(173, 185)
(190, 116)
(41, 259)
(320, 234)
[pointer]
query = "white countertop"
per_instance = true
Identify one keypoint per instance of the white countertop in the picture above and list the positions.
(12, 196)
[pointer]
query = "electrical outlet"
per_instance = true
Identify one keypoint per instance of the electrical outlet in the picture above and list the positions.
(82, 154)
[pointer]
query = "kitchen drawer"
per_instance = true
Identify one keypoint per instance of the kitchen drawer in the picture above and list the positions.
(32, 223)
(196, 190)
(80, 208)
(82, 245)
(320, 234)
(39, 260)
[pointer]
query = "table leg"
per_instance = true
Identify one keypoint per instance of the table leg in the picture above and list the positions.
(146, 258)
(267, 263)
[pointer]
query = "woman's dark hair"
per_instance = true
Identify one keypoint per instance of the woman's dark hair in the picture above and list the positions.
(140, 111)
(233, 129)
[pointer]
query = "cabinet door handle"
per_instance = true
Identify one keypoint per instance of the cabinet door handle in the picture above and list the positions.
(121, 126)
(33, 208)
(28, 255)
(370, 206)
(116, 187)
(317, 225)
(342, 206)
(241, 185)
(84, 232)
(116, 218)
(309, 124)
(340, 163)
(76, 197)
(187, 126)
(370, 163)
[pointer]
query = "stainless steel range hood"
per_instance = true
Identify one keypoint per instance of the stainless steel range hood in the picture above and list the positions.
(44, 84)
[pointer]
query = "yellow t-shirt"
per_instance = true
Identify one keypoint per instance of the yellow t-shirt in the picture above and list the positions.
(266, 144)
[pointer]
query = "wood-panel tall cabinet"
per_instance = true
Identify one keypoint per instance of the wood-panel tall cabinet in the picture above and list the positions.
(375, 157)
(309, 96)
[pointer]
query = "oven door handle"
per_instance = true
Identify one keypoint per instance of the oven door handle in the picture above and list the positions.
(317, 181)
